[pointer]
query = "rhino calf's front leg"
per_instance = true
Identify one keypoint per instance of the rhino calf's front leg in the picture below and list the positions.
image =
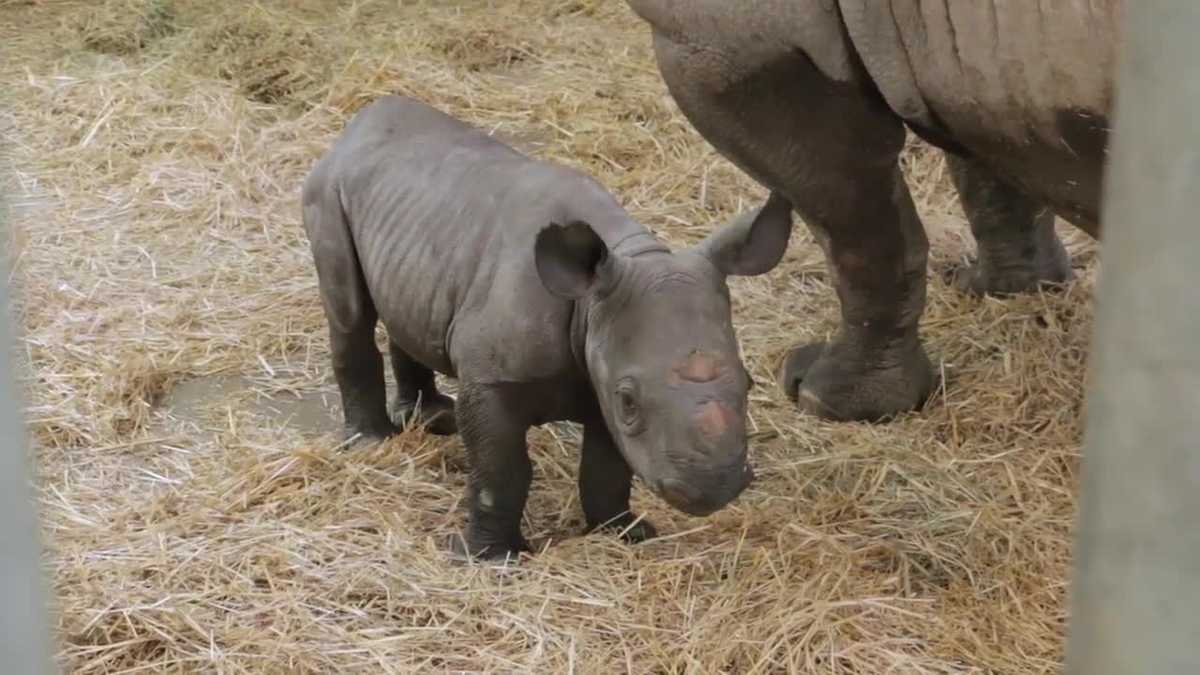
(605, 481)
(493, 430)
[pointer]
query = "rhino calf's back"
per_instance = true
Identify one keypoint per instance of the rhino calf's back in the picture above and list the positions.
(438, 214)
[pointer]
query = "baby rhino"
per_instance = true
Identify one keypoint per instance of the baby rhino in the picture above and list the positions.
(530, 284)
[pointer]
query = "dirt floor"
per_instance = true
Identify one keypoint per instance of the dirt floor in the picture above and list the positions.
(199, 515)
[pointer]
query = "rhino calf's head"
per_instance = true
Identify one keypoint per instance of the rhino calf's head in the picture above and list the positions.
(660, 349)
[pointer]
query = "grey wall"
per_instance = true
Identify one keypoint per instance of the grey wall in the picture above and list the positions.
(1135, 603)
(24, 629)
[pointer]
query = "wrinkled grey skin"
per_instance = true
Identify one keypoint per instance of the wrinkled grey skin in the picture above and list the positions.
(530, 284)
(811, 98)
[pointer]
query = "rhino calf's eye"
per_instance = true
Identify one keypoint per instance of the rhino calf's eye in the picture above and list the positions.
(627, 403)
(628, 407)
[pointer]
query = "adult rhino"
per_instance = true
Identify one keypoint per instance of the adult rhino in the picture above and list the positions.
(811, 98)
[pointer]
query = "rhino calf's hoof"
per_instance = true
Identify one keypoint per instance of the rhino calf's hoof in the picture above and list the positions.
(834, 381)
(621, 526)
(476, 548)
(369, 435)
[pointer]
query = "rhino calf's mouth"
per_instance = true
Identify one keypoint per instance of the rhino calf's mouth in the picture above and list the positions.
(696, 502)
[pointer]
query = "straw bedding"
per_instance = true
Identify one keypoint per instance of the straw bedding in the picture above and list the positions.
(199, 516)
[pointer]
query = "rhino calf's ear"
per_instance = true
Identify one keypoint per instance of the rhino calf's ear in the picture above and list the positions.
(569, 258)
(752, 244)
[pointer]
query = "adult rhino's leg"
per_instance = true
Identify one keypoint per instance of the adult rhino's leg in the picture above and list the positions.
(1018, 249)
(831, 148)
(417, 393)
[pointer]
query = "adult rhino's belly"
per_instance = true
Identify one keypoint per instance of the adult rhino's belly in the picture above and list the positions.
(1025, 87)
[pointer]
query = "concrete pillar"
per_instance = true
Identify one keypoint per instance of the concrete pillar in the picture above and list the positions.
(1135, 599)
(24, 627)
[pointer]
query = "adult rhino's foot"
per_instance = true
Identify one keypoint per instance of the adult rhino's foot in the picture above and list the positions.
(1018, 248)
(1051, 267)
(629, 531)
(436, 414)
(842, 382)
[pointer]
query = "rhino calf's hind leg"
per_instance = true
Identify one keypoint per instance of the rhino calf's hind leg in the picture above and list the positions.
(351, 315)
(358, 368)
(605, 480)
(416, 393)
(1018, 249)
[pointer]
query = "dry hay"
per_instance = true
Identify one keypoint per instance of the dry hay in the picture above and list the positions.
(273, 58)
(122, 27)
(156, 246)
